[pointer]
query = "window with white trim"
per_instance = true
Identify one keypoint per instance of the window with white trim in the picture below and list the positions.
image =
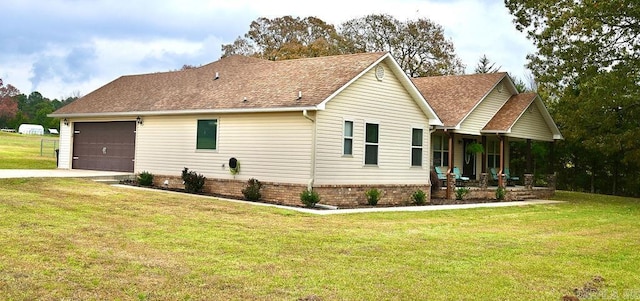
(416, 147)
(347, 138)
(207, 136)
(493, 154)
(440, 145)
(371, 144)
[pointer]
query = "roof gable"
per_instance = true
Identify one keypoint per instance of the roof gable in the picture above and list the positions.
(454, 97)
(513, 110)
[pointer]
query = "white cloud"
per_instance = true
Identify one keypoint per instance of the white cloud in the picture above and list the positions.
(70, 46)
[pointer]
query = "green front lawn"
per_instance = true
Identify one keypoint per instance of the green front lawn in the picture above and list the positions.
(23, 151)
(74, 239)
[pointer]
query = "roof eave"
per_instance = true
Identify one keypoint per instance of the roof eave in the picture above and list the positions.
(185, 112)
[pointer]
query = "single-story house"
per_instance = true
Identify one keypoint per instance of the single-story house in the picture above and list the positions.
(483, 109)
(340, 125)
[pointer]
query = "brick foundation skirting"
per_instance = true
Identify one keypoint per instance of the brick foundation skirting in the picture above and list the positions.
(343, 196)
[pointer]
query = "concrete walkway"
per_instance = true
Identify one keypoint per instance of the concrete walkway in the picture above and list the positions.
(58, 173)
(367, 210)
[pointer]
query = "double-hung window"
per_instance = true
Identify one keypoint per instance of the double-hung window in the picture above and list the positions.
(207, 137)
(493, 154)
(347, 138)
(416, 147)
(371, 144)
(440, 150)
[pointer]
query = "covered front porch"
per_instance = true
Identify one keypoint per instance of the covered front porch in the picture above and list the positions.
(483, 164)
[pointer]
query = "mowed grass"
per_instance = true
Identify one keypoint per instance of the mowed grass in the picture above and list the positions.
(23, 152)
(64, 239)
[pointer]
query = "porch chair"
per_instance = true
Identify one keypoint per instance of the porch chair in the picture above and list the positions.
(460, 180)
(494, 175)
(510, 180)
(441, 176)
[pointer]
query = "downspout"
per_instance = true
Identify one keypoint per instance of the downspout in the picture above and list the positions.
(500, 178)
(305, 114)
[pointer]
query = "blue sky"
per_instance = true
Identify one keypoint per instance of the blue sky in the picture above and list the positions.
(65, 48)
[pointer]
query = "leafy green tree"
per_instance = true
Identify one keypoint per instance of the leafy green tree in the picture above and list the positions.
(287, 38)
(588, 63)
(420, 46)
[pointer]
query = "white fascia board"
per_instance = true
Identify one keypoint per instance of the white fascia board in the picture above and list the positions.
(185, 112)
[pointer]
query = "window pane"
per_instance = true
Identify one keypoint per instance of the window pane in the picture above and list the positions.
(445, 143)
(437, 142)
(445, 158)
(372, 133)
(437, 159)
(371, 154)
(348, 146)
(416, 157)
(207, 134)
(416, 137)
(348, 128)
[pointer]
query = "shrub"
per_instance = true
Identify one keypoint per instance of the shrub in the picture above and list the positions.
(145, 178)
(251, 192)
(373, 196)
(500, 193)
(193, 182)
(419, 197)
(309, 198)
(461, 192)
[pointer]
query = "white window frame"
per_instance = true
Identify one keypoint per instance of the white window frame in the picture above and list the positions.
(493, 151)
(444, 141)
(421, 147)
(345, 137)
(376, 144)
(217, 141)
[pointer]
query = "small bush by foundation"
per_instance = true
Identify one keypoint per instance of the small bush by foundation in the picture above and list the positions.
(461, 192)
(193, 182)
(309, 198)
(500, 193)
(373, 196)
(419, 197)
(251, 192)
(145, 178)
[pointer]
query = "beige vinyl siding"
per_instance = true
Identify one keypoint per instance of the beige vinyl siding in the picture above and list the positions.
(387, 104)
(65, 146)
(272, 147)
(531, 125)
(487, 108)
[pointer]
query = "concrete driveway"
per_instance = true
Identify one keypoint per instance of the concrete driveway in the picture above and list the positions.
(59, 173)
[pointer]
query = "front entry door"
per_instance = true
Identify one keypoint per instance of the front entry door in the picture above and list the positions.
(469, 161)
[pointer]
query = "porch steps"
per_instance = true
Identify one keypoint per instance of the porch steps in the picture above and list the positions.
(521, 195)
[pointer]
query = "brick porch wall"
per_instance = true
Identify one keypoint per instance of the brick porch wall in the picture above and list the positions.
(343, 196)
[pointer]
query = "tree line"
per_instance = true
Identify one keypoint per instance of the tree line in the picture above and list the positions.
(17, 108)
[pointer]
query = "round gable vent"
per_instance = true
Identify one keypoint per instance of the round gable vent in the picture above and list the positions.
(379, 72)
